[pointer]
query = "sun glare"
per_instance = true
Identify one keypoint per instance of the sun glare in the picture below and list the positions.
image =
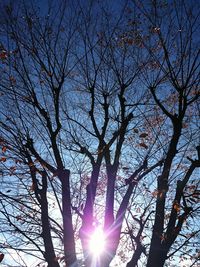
(97, 242)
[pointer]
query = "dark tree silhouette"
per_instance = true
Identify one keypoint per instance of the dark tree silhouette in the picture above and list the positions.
(100, 128)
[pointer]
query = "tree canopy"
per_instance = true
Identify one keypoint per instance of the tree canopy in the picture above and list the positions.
(100, 133)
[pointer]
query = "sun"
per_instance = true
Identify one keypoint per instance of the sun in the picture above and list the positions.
(97, 242)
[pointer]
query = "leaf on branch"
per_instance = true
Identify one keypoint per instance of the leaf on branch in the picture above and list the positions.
(136, 130)
(12, 80)
(143, 135)
(138, 210)
(3, 55)
(125, 168)
(155, 193)
(32, 188)
(143, 145)
(4, 148)
(1, 257)
(130, 41)
(27, 98)
(176, 206)
(18, 161)
(155, 30)
(49, 73)
(18, 217)
(3, 159)
(12, 169)
(2, 141)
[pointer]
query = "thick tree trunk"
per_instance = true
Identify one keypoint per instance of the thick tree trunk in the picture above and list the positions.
(157, 256)
(87, 220)
(49, 255)
(109, 209)
(69, 242)
(136, 256)
(112, 241)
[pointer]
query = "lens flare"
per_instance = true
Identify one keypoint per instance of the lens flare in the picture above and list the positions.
(97, 242)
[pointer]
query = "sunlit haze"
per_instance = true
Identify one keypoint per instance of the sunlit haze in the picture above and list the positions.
(97, 242)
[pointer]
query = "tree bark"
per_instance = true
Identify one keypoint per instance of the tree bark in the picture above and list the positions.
(49, 254)
(156, 251)
(69, 242)
(87, 220)
(109, 209)
(159, 258)
(136, 256)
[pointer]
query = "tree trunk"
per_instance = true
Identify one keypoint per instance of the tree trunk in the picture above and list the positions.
(136, 256)
(49, 255)
(157, 256)
(69, 242)
(109, 209)
(87, 220)
(157, 252)
(112, 242)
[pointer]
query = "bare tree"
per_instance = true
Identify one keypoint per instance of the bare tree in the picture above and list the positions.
(97, 121)
(172, 76)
